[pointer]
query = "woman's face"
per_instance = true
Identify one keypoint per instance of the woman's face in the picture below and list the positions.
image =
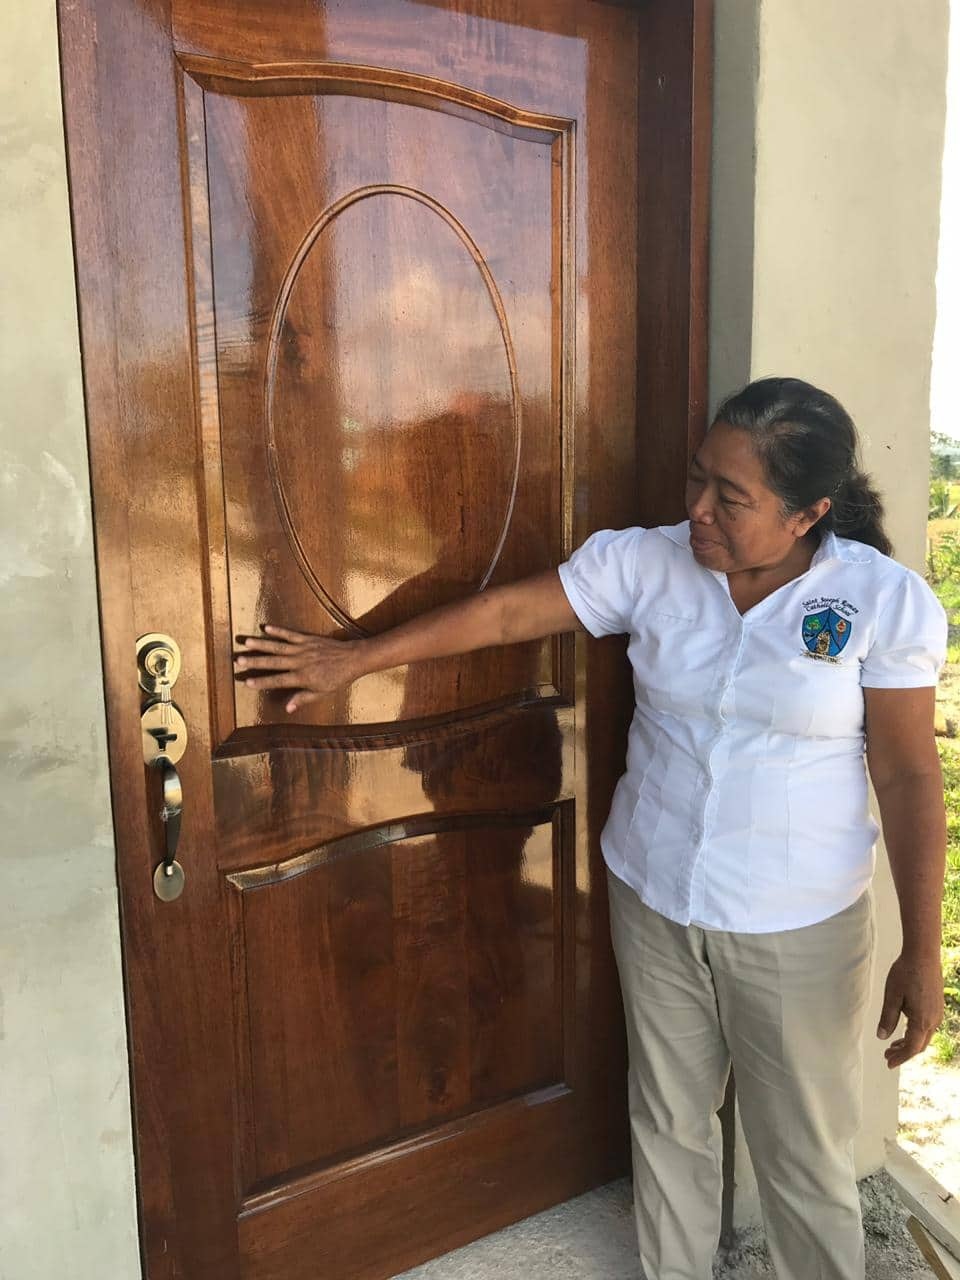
(736, 520)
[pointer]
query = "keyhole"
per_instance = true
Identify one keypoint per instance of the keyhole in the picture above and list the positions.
(158, 663)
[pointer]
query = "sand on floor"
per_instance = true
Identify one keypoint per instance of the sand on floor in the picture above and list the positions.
(930, 1116)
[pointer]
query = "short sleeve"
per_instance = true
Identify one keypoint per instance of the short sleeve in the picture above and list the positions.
(911, 641)
(601, 580)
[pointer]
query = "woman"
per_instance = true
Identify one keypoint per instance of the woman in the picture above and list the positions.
(776, 649)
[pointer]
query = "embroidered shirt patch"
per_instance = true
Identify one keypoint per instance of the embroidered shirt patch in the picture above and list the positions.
(825, 633)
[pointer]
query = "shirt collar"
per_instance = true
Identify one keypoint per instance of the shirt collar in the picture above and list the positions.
(831, 547)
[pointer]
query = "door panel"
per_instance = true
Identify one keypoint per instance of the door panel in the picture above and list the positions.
(382, 302)
(403, 982)
(389, 424)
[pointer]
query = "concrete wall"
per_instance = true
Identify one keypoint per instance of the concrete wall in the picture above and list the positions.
(945, 378)
(842, 206)
(829, 121)
(66, 1169)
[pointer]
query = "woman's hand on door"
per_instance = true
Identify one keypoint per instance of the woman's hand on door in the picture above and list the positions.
(313, 665)
(316, 665)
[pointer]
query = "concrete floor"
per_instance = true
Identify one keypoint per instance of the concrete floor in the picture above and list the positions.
(592, 1238)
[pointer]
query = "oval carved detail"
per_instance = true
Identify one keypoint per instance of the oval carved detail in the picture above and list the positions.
(392, 409)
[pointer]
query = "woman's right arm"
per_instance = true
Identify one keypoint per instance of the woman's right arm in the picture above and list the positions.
(314, 665)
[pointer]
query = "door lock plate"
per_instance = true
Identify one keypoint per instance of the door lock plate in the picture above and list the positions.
(163, 731)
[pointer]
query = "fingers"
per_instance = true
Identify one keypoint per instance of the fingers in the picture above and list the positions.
(914, 989)
(278, 640)
(285, 661)
(301, 699)
(258, 644)
(895, 1056)
(279, 680)
(295, 637)
(890, 1014)
(314, 665)
(286, 680)
(908, 1046)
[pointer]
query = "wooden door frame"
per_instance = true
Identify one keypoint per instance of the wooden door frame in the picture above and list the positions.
(673, 194)
(676, 114)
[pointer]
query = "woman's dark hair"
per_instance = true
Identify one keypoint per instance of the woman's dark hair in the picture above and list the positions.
(808, 445)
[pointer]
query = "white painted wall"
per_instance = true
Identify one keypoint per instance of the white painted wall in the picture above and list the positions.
(829, 125)
(849, 103)
(66, 1156)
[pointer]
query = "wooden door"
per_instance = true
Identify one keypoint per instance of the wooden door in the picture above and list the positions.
(381, 301)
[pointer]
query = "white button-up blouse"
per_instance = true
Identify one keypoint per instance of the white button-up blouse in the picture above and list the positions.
(744, 804)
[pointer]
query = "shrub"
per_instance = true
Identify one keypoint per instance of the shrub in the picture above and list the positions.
(943, 559)
(942, 507)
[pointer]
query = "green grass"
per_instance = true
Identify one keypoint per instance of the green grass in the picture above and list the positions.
(947, 1039)
(945, 565)
(945, 1046)
(950, 763)
(944, 577)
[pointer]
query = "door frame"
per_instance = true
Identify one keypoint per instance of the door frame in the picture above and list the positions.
(675, 104)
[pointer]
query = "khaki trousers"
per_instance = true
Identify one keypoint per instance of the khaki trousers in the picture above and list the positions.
(786, 1009)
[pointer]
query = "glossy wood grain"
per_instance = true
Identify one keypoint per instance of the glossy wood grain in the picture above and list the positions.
(381, 302)
(389, 424)
(395, 979)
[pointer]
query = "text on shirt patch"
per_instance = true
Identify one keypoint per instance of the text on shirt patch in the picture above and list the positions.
(826, 627)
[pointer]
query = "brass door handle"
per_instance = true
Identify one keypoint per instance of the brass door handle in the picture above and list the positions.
(164, 740)
(168, 878)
